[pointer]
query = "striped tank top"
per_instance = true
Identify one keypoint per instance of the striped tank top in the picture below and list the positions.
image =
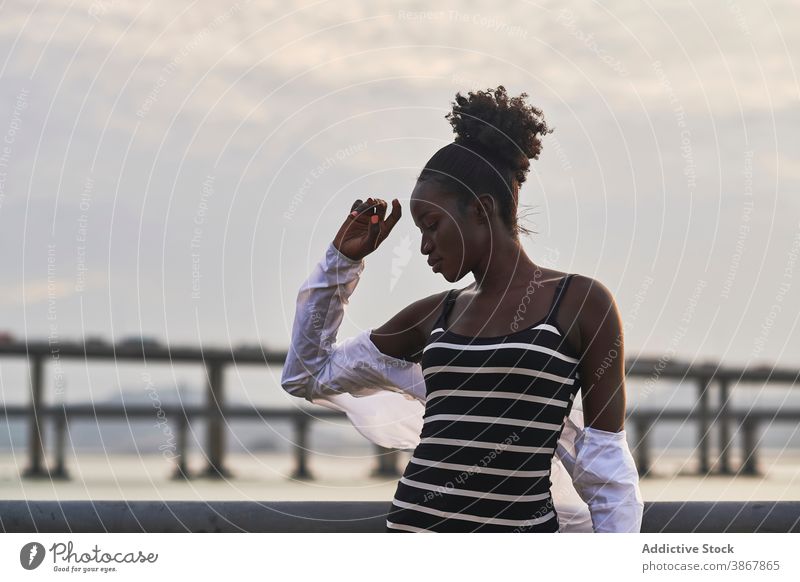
(494, 411)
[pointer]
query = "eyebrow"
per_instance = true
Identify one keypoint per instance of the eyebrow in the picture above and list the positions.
(426, 213)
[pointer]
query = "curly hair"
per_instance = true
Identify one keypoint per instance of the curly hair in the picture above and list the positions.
(496, 136)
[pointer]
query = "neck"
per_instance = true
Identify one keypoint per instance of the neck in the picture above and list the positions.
(503, 266)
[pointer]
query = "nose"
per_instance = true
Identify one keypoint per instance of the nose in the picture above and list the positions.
(426, 246)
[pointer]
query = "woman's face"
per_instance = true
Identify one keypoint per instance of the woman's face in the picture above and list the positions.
(450, 236)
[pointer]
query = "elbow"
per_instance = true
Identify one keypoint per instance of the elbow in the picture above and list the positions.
(297, 389)
(615, 504)
(606, 478)
(298, 385)
(619, 517)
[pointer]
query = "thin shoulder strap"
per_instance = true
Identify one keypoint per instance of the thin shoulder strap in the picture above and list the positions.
(450, 299)
(561, 289)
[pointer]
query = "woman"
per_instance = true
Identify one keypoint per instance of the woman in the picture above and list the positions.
(497, 364)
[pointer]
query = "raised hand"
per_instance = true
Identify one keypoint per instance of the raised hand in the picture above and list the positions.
(365, 228)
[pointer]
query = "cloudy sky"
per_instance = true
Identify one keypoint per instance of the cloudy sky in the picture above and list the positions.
(176, 169)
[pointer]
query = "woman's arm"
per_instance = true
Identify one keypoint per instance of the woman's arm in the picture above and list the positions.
(404, 336)
(317, 365)
(338, 375)
(602, 364)
(603, 469)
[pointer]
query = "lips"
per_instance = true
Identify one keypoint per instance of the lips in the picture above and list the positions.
(436, 265)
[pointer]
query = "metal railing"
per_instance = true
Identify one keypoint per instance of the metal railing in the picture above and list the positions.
(706, 377)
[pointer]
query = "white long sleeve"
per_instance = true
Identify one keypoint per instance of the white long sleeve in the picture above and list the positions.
(604, 475)
(340, 375)
(316, 365)
(383, 396)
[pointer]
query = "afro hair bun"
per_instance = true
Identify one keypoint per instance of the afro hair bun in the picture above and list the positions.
(507, 129)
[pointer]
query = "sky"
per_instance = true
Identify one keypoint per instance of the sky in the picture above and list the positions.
(176, 169)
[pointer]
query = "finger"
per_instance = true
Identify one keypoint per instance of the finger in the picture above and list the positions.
(369, 208)
(376, 206)
(380, 206)
(361, 209)
(354, 209)
(374, 230)
(394, 217)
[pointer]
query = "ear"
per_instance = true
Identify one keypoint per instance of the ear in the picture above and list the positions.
(485, 208)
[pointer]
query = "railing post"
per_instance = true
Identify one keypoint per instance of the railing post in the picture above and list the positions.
(703, 424)
(387, 462)
(643, 446)
(749, 446)
(35, 448)
(60, 471)
(181, 470)
(301, 447)
(724, 465)
(215, 395)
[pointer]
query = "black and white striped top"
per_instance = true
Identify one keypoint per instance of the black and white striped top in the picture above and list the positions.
(494, 412)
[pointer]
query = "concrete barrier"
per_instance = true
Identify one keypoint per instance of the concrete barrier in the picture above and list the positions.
(344, 517)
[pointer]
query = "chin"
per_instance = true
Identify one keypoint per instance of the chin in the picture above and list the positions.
(450, 277)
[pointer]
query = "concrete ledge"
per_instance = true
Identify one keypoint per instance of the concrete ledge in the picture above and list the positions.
(722, 516)
(192, 516)
(344, 517)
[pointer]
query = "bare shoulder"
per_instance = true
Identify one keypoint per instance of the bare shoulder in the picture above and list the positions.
(596, 310)
(590, 290)
(405, 334)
